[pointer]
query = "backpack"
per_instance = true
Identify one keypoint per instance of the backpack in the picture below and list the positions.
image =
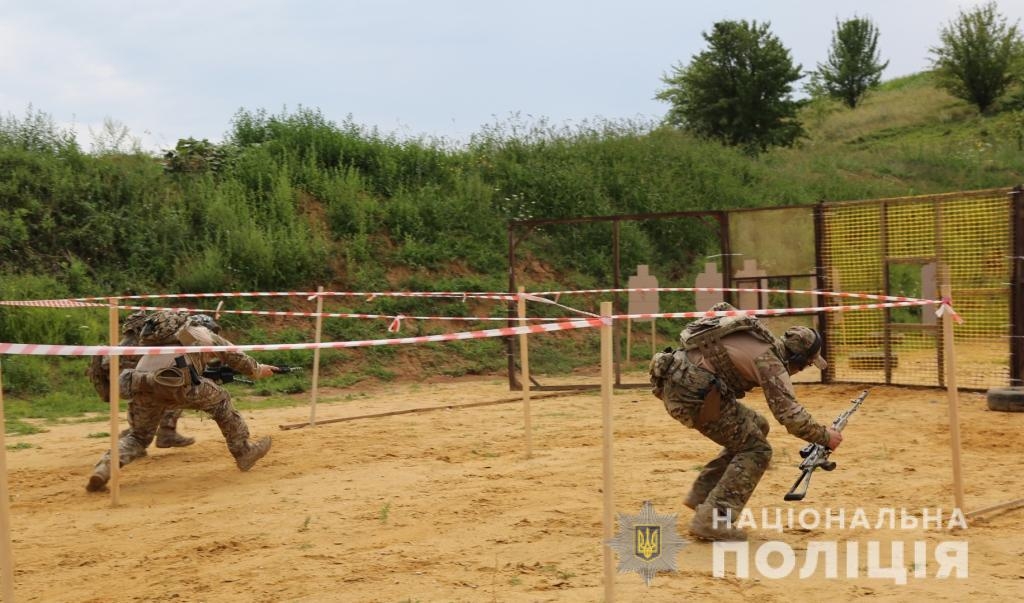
(161, 328)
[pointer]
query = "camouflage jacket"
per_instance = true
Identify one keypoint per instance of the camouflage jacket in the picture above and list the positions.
(758, 364)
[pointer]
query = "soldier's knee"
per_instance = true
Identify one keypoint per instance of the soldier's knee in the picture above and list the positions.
(762, 424)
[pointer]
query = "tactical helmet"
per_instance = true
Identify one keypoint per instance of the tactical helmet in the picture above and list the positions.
(803, 347)
(204, 320)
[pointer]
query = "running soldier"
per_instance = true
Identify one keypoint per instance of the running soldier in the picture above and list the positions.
(159, 383)
(719, 360)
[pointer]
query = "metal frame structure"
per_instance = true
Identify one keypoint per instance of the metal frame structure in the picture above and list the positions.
(519, 230)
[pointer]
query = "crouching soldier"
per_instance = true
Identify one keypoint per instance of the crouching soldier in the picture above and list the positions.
(719, 360)
(168, 382)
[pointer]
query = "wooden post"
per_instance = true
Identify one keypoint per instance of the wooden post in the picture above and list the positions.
(6, 558)
(654, 337)
(951, 392)
(629, 339)
(115, 407)
(608, 482)
(316, 355)
(524, 362)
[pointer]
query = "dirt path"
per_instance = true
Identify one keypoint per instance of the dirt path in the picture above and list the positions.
(442, 506)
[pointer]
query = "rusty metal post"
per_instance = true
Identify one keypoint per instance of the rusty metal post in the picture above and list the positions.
(1017, 288)
(822, 284)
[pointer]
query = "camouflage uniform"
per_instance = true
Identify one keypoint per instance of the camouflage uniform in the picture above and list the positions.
(695, 394)
(98, 372)
(158, 383)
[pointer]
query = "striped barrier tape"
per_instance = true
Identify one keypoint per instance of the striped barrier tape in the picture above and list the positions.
(731, 290)
(769, 312)
(35, 349)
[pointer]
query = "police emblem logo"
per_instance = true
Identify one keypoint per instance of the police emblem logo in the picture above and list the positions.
(647, 543)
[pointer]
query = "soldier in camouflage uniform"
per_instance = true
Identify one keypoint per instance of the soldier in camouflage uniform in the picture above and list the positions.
(167, 435)
(700, 383)
(159, 383)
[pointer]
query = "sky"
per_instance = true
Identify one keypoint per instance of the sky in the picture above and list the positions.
(441, 69)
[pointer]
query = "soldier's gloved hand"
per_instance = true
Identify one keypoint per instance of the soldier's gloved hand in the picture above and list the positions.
(265, 370)
(835, 438)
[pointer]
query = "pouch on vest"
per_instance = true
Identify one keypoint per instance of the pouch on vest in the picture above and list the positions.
(660, 369)
(711, 410)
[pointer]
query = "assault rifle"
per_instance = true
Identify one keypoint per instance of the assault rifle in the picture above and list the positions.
(285, 370)
(225, 374)
(816, 455)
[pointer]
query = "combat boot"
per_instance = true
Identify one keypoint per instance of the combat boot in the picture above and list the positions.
(253, 452)
(169, 438)
(703, 525)
(99, 478)
(693, 499)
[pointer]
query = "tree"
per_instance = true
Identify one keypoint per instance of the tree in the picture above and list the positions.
(114, 139)
(853, 65)
(738, 90)
(977, 60)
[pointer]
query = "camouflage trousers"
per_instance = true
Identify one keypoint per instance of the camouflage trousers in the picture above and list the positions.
(728, 480)
(169, 420)
(152, 402)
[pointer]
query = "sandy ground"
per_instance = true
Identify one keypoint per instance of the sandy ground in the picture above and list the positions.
(443, 506)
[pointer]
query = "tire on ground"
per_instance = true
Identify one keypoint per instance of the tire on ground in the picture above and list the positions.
(1006, 399)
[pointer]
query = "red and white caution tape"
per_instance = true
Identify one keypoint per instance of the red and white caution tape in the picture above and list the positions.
(786, 311)
(314, 294)
(99, 350)
(731, 290)
(946, 305)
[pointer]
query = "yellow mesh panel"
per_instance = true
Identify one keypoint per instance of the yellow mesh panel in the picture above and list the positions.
(917, 238)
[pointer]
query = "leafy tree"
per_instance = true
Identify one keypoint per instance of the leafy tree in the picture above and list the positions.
(853, 65)
(979, 56)
(738, 90)
(191, 156)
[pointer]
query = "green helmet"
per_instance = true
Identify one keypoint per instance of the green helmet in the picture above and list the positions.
(803, 347)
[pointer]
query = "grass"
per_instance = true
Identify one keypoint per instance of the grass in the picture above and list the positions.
(391, 215)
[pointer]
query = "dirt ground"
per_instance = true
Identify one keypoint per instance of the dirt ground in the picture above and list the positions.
(443, 506)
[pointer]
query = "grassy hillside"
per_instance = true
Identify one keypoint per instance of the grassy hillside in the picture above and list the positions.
(293, 201)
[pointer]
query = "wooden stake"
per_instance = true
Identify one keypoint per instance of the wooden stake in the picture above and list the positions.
(316, 355)
(409, 411)
(654, 337)
(1006, 506)
(6, 558)
(629, 338)
(952, 394)
(524, 362)
(115, 408)
(608, 483)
